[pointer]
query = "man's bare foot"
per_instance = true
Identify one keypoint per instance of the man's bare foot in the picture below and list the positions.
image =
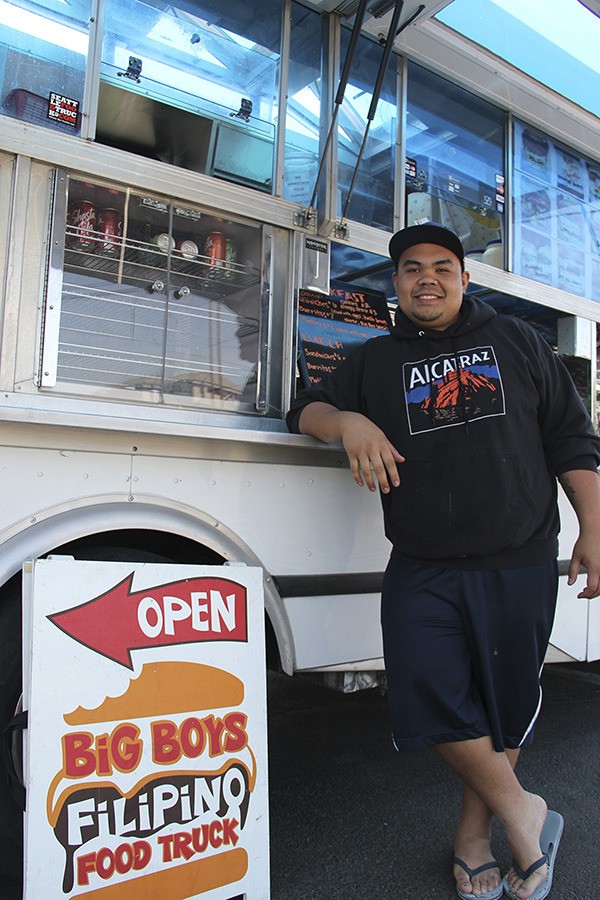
(475, 852)
(524, 841)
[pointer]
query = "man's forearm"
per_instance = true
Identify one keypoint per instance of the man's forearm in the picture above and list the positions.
(373, 459)
(582, 488)
(323, 421)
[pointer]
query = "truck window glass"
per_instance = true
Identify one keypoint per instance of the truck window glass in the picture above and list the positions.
(43, 53)
(156, 298)
(455, 163)
(303, 106)
(372, 201)
(194, 85)
(557, 214)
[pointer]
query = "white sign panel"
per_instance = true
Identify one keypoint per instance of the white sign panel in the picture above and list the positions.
(146, 756)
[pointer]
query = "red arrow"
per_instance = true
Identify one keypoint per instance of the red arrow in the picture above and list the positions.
(181, 612)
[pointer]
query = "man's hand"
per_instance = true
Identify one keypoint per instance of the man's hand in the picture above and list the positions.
(586, 552)
(368, 449)
(370, 453)
(583, 490)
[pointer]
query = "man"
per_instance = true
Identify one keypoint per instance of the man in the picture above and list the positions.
(464, 419)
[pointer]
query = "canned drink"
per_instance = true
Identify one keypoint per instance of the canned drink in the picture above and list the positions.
(110, 229)
(82, 225)
(152, 253)
(163, 242)
(230, 255)
(215, 249)
(188, 249)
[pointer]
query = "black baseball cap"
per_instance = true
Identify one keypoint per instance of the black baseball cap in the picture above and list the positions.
(428, 233)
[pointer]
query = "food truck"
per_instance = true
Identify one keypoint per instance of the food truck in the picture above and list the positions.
(196, 203)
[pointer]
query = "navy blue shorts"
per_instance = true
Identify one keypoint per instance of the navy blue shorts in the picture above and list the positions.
(464, 651)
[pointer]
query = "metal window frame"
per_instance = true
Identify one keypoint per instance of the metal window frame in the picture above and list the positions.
(284, 68)
(52, 299)
(91, 89)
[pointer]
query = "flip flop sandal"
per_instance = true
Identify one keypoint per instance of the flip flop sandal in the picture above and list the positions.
(493, 894)
(549, 841)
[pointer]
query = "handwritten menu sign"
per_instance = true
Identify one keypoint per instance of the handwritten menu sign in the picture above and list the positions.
(332, 325)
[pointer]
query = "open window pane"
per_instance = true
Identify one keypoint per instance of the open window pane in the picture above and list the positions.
(372, 202)
(194, 85)
(455, 163)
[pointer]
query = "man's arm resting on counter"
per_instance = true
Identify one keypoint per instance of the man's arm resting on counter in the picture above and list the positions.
(368, 449)
(582, 488)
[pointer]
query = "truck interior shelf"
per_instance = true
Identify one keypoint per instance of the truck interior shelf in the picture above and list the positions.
(139, 262)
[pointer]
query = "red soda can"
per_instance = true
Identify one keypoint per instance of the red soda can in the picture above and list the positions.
(82, 225)
(110, 229)
(215, 249)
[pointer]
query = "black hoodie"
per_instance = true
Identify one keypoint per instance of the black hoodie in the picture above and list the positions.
(486, 416)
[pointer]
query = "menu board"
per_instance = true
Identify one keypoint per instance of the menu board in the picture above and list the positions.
(331, 325)
(557, 214)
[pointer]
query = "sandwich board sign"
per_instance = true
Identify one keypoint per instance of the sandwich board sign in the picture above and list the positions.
(146, 753)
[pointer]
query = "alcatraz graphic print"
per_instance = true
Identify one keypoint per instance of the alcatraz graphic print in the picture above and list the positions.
(452, 389)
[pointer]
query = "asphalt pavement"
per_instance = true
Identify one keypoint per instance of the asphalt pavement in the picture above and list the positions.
(351, 819)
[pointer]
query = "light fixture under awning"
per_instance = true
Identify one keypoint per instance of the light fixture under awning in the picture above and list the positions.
(378, 8)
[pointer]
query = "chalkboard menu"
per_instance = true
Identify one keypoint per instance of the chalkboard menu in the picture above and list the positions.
(331, 325)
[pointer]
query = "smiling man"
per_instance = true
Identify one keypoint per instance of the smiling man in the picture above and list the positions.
(429, 284)
(465, 420)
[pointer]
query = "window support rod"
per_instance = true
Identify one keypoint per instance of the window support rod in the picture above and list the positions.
(393, 32)
(339, 97)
